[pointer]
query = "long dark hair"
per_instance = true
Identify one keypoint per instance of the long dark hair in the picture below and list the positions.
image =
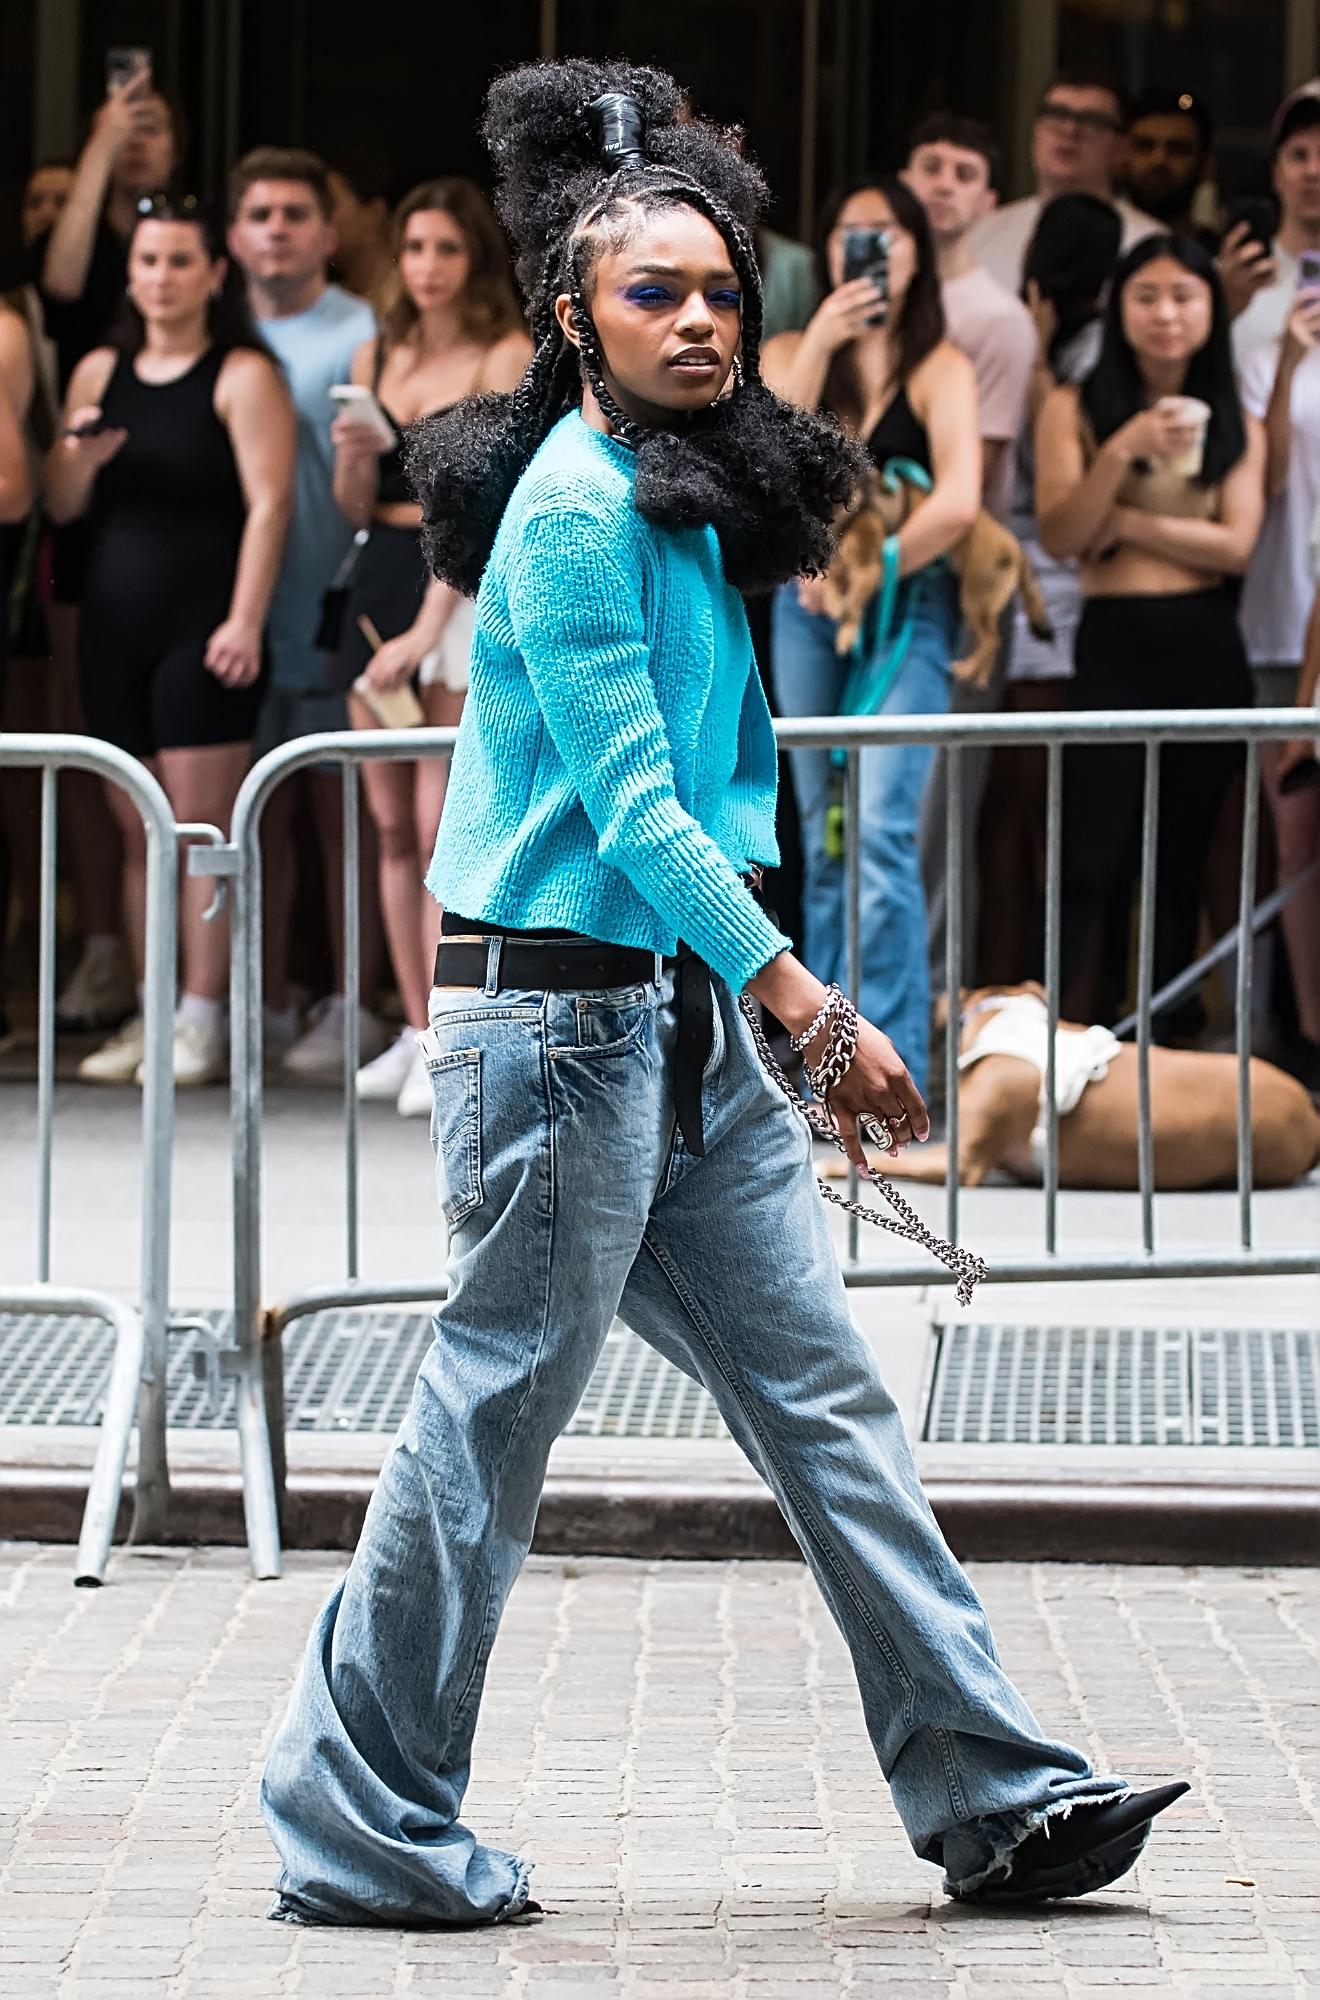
(1071, 259)
(921, 320)
(768, 477)
(229, 321)
(488, 307)
(1115, 391)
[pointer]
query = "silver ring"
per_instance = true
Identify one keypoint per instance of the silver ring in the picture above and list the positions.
(879, 1131)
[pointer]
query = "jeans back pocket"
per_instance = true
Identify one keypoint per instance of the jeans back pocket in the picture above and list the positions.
(456, 1131)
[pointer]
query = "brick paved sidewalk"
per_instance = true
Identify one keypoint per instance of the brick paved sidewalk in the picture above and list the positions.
(681, 1749)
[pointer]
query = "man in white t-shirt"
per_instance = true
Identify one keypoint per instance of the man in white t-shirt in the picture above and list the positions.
(951, 168)
(1077, 147)
(1295, 174)
(1280, 383)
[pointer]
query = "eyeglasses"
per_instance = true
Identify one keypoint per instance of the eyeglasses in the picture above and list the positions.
(1084, 121)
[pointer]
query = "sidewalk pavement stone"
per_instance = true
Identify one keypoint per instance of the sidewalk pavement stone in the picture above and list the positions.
(680, 1747)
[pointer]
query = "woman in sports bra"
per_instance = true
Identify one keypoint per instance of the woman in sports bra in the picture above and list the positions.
(1161, 503)
(884, 369)
(453, 329)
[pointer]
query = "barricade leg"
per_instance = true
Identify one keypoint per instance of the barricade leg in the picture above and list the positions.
(260, 1416)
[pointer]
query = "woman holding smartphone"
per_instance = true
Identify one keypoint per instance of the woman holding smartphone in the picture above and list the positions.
(1151, 475)
(875, 356)
(177, 450)
(452, 329)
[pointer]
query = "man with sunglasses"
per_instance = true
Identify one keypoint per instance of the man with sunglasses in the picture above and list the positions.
(1078, 144)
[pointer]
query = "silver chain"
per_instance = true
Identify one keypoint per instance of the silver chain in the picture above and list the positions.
(967, 1267)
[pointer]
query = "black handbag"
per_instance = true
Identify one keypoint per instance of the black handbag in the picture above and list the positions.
(334, 598)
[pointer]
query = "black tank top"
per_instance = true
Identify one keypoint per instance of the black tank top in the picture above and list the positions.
(392, 481)
(174, 475)
(899, 434)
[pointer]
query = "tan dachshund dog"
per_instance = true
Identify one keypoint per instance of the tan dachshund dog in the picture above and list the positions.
(1193, 1109)
(988, 561)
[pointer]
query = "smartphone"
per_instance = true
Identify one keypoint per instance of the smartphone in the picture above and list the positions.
(358, 402)
(1260, 216)
(866, 255)
(1308, 273)
(123, 64)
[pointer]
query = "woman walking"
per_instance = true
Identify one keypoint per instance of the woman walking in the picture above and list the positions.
(879, 362)
(178, 449)
(451, 329)
(1149, 473)
(607, 1138)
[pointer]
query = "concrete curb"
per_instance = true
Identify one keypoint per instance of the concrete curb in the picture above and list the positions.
(988, 1520)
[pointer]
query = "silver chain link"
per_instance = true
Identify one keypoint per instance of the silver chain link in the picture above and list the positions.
(967, 1267)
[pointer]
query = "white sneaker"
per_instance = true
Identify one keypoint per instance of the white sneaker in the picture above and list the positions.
(318, 1056)
(100, 993)
(280, 1029)
(416, 1097)
(118, 1060)
(380, 1081)
(201, 1052)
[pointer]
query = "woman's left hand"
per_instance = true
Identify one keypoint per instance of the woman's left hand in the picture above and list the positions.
(397, 661)
(233, 653)
(811, 593)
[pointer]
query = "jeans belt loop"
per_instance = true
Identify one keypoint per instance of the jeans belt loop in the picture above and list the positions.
(494, 950)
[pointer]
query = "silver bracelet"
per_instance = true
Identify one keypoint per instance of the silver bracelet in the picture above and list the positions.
(833, 995)
(840, 1050)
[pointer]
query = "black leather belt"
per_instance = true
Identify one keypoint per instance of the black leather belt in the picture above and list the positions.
(564, 962)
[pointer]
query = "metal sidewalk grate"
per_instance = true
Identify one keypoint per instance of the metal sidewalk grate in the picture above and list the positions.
(1124, 1385)
(353, 1370)
(345, 1370)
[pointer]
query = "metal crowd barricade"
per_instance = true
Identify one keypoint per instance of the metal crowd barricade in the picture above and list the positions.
(138, 1369)
(254, 1361)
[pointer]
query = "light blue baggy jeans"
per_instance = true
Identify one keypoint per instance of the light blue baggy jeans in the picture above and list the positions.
(570, 1197)
(809, 679)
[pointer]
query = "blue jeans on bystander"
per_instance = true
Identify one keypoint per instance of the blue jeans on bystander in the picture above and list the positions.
(809, 679)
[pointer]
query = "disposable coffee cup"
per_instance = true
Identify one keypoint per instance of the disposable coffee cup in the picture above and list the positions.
(1195, 414)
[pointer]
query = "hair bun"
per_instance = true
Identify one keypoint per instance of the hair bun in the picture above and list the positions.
(547, 148)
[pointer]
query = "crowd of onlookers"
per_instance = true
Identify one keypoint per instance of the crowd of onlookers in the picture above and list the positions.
(213, 549)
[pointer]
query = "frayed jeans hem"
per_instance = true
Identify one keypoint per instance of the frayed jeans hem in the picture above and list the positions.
(1005, 1832)
(289, 1908)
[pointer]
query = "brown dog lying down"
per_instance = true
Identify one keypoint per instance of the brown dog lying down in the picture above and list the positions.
(988, 562)
(1001, 1115)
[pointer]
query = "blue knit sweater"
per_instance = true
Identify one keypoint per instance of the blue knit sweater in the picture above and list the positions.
(615, 768)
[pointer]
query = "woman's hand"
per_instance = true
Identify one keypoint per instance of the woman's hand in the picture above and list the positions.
(121, 113)
(1303, 329)
(877, 1085)
(357, 440)
(1159, 432)
(846, 314)
(97, 447)
(811, 593)
(395, 662)
(233, 653)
